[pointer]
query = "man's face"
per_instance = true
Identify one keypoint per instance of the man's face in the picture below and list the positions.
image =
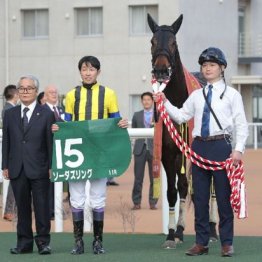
(147, 102)
(89, 73)
(51, 95)
(27, 91)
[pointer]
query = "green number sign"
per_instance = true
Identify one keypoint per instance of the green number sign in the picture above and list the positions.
(90, 150)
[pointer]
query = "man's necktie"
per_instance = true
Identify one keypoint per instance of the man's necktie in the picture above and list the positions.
(25, 118)
(206, 114)
(57, 117)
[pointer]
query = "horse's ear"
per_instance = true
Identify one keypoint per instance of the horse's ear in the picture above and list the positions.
(176, 25)
(152, 24)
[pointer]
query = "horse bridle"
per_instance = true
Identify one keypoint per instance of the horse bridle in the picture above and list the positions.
(168, 72)
(170, 57)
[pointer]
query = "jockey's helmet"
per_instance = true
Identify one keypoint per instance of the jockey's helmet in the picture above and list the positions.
(212, 54)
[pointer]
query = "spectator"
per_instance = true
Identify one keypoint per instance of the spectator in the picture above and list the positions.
(51, 103)
(11, 96)
(41, 98)
(143, 152)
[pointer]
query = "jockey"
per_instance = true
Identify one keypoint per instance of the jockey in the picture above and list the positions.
(89, 101)
(217, 110)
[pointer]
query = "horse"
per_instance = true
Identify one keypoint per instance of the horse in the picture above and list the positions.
(166, 65)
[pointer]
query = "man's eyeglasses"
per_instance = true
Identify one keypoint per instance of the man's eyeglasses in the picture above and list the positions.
(22, 90)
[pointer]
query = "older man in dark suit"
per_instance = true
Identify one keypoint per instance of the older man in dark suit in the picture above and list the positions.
(26, 161)
(51, 103)
(143, 152)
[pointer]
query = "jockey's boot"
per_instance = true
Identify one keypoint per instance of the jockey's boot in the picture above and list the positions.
(98, 246)
(213, 233)
(98, 237)
(78, 234)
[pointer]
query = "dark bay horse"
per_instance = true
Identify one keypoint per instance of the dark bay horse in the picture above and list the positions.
(166, 64)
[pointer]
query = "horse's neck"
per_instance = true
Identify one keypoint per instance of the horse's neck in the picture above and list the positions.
(176, 90)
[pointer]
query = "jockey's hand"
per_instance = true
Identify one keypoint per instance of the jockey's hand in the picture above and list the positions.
(123, 123)
(54, 128)
(236, 157)
(159, 95)
(6, 174)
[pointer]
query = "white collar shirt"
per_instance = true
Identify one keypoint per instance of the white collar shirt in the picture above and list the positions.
(52, 106)
(229, 111)
(29, 113)
(59, 111)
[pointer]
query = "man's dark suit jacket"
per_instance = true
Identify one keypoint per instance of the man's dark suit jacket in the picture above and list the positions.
(30, 149)
(52, 189)
(6, 107)
(60, 112)
(138, 122)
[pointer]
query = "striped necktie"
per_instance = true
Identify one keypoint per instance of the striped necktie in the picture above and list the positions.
(206, 114)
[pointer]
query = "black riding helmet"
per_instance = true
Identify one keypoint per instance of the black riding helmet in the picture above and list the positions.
(212, 54)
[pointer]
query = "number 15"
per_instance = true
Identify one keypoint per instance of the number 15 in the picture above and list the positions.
(68, 151)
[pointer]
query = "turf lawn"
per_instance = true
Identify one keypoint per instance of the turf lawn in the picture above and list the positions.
(133, 248)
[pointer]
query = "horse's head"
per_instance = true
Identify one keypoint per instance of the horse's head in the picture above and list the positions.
(164, 47)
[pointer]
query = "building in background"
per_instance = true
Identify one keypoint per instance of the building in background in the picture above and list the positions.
(47, 38)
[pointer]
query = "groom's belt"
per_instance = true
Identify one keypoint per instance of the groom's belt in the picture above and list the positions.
(212, 138)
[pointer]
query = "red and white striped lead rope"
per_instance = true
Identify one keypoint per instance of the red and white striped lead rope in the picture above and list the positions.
(235, 173)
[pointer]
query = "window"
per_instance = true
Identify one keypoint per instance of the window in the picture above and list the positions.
(257, 109)
(89, 21)
(138, 19)
(257, 104)
(35, 23)
(245, 47)
(241, 31)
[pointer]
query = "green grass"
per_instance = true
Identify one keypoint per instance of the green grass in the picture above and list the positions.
(133, 248)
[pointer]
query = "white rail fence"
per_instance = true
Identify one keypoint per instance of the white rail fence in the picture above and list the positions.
(254, 141)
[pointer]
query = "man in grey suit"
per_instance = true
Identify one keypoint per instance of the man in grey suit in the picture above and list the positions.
(143, 152)
(11, 96)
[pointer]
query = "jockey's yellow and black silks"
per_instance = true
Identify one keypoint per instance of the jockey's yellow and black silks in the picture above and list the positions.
(99, 102)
